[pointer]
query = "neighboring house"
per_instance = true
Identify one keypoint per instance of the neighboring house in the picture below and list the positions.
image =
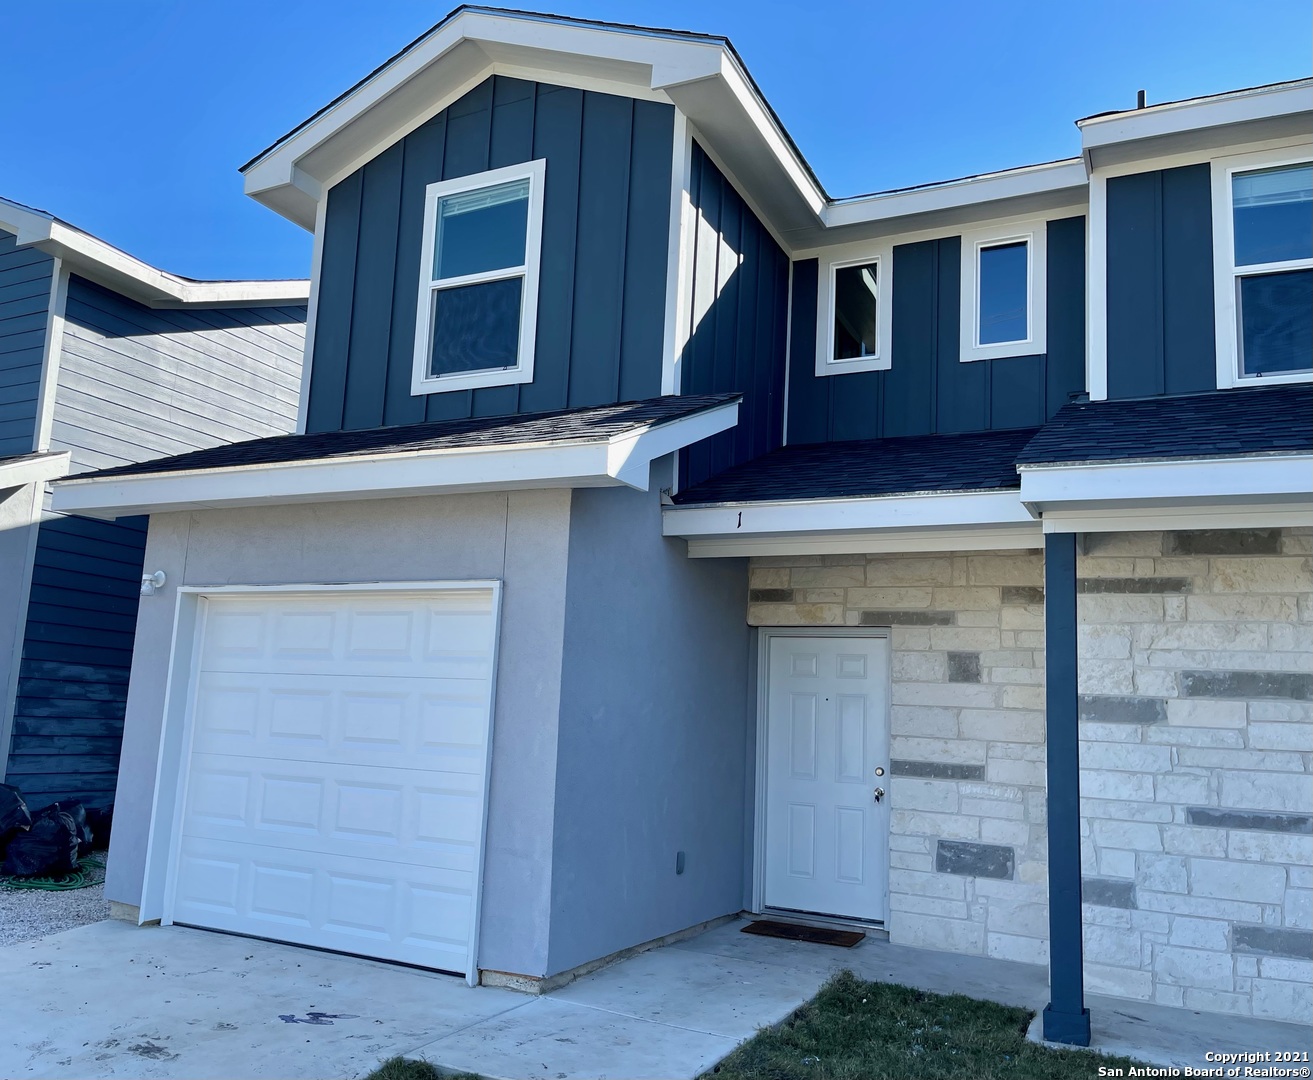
(105, 361)
(666, 538)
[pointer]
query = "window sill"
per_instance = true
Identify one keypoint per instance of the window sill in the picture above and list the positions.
(850, 367)
(474, 380)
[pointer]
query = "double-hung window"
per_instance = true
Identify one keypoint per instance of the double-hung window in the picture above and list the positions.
(1003, 293)
(478, 290)
(854, 314)
(1263, 269)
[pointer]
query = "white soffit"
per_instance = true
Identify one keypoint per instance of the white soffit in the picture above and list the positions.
(900, 522)
(32, 468)
(1200, 482)
(92, 258)
(1263, 112)
(622, 460)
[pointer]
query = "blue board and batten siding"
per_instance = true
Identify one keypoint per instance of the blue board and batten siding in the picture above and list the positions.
(928, 390)
(601, 299)
(1161, 335)
(77, 652)
(25, 281)
(134, 383)
(738, 322)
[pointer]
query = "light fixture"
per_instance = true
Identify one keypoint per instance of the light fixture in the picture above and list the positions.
(152, 583)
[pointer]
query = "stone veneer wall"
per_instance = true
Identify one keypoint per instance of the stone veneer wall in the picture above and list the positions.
(1197, 811)
(1197, 818)
(967, 846)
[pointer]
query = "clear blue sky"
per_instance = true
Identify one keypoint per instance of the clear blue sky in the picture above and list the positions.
(129, 118)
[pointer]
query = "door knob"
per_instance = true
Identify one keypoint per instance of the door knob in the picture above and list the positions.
(878, 793)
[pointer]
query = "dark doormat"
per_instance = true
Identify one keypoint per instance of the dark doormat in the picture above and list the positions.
(817, 935)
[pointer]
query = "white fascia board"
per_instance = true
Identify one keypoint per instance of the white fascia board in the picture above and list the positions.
(1257, 515)
(33, 468)
(818, 518)
(1239, 107)
(93, 258)
(621, 460)
(1067, 175)
(1236, 480)
(877, 542)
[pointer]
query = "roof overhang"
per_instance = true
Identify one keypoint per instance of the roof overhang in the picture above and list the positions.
(1265, 112)
(701, 76)
(909, 521)
(1247, 492)
(621, 460)
(92, 258)
(32, 469)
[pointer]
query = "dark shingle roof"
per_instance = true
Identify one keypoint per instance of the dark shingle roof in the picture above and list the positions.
(1247, 420)
(974, 461)
(567, 425)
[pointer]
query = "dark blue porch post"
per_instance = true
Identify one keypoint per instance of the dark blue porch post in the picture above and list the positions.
(1066, 1019)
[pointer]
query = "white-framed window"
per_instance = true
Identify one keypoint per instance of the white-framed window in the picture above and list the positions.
(1263, 267)
(854, 312)
(1003, 291)
(478, 287)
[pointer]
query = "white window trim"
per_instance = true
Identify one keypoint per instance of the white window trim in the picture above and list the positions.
(826, 364)
(1034, 232)
(423, 383)
(1224, 268)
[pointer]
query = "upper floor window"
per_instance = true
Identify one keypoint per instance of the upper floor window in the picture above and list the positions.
(1263, 286)
(1003, 295)
(478, 290)
(854, 316)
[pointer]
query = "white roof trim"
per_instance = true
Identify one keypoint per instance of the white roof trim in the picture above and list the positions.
(621, 460)
(1068, 174)
(958, 520)
(1216, 110)
(93, 258)
(1049, 489)
(32, 468)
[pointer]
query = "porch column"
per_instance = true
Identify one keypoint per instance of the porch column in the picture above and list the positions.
(1066, 1019)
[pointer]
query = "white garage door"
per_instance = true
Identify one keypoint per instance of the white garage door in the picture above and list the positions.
(337, 777)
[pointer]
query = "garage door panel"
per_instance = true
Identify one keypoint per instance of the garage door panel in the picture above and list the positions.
(420, 915)
(337, 773)
(415, 816)
(371, 720)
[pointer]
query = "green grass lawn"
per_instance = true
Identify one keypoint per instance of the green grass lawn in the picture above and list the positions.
(855, 1030)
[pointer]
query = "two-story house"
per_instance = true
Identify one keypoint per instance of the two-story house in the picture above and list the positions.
(665, 538)
(105, 361)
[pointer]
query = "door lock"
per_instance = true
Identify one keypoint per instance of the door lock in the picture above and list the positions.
(879, 770)
(878, 793)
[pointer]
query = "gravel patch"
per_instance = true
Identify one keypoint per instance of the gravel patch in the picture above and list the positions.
(26, 914)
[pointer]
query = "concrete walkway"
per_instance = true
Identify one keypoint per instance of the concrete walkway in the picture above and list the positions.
(113, 1000)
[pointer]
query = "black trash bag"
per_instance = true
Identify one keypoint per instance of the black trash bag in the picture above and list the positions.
(99, 820)
(78, 813)
(14, 813)
(48, 849)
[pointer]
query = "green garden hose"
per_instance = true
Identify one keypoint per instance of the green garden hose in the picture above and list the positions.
(80, 878)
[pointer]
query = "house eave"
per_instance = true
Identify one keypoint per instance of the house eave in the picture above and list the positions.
(621, 460)
(18, 472)
(93, 258)
(905, 521)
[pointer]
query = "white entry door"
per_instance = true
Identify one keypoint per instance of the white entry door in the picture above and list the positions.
(827, 826)
(335, 786)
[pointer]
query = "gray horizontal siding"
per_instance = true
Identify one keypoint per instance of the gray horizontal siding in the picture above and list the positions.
(77, 651)
(137, 383)
(738, 323)
(601, 298)
(1161, 337)
(25, 276)
(928, 390)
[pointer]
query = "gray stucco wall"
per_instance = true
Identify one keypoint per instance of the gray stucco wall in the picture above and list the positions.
(519, 537)
(651, 752)
(18, 510)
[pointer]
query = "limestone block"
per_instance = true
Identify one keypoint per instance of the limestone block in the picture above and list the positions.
(1248, 881)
